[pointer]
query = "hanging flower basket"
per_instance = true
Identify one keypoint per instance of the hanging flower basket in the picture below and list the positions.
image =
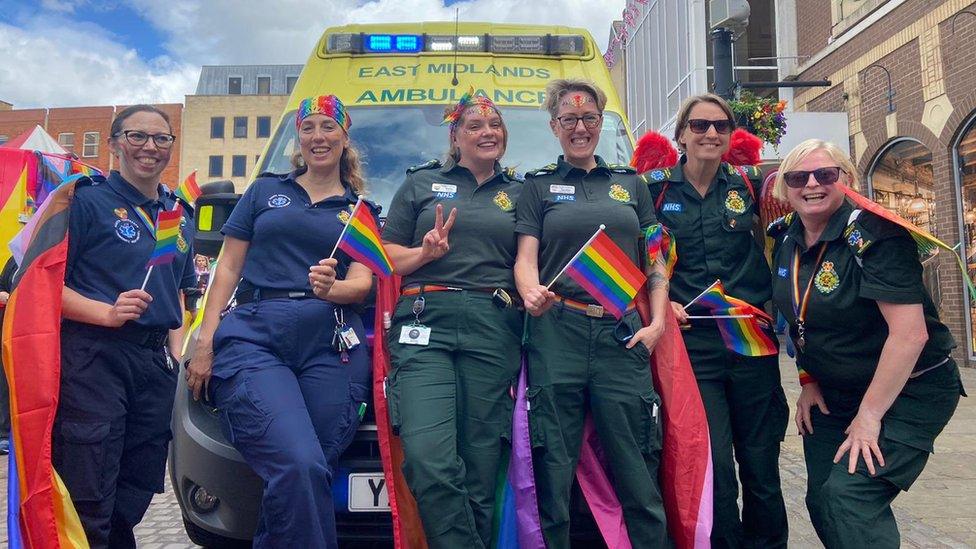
(761, 116)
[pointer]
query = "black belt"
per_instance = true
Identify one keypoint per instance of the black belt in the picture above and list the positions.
(151, 338)
(259, 294)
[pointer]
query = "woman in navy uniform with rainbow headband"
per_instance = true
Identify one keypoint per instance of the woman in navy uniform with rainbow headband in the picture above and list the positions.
(455, 338)
(878, 384)
(117, 382)
(290, 394)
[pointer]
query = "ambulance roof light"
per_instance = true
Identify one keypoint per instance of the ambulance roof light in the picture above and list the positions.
(462, 43)
(546, 44)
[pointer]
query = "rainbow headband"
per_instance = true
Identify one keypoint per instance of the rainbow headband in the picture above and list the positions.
(329, 105)
(469, 99)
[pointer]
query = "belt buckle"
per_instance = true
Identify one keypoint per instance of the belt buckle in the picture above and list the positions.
(296, 295)
(596, 311)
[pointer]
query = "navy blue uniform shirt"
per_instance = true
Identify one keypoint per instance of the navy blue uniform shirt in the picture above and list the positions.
(109, 244)
(287, 233)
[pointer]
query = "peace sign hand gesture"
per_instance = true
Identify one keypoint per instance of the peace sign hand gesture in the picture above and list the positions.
(435, 243)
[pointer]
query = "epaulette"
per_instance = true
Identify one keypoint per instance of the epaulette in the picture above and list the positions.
(621, 168)
(660, 175)
(425, 166)
(92, 180)
(865, 228)
(513, 175)
(779, 226)
(545, 170)
(752, 172)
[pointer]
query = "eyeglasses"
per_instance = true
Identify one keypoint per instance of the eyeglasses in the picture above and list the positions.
(137, 138)
(825, 176)
(700, 125)
(569, 121)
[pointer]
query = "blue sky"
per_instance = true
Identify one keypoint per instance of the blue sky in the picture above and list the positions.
(88, 52)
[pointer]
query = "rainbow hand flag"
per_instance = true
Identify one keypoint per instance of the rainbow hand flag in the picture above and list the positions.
(167, 235)
(188, 190)
(744, 336)
(659, 241)
(605, 271)
(361, 240)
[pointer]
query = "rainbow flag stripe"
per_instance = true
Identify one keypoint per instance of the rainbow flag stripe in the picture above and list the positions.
(605, 271)
(744, 336)
(659, 241)
(188, 190)
(361, 240)
(167, 235)
(804, 376)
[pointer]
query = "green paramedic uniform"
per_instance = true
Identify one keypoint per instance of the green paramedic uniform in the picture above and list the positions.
(576, 364)
(450, 399)
(865, 259)
(743, 396)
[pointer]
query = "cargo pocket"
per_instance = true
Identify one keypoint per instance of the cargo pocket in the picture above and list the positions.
(650, 435)
(84, 447)
(535, 398)
(246, 419)
(357, 403)
(392, 402)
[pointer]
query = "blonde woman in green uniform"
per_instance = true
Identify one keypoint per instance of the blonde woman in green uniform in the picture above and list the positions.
(579, 356)
(708, 206)
(878, 382)
(455, 339)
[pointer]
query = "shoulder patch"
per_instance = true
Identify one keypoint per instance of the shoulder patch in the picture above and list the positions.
(425, 166)
(659, 175)
(621, 168)
(545, 170)
(779, 226)
(866, 228)
(513, 175)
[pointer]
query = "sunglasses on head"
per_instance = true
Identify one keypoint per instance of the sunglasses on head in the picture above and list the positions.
(700, 125)
(825, 176)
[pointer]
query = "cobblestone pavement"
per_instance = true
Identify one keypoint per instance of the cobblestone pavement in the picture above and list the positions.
(939, 511)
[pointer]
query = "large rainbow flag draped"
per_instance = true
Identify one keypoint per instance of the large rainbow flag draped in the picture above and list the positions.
(742, 332)
(360, 239)
(605, 271)
(39, 512)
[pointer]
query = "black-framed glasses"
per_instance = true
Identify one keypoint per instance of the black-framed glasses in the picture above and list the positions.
(569, 121)
(825, 176)
(137, 138)
(700, 125)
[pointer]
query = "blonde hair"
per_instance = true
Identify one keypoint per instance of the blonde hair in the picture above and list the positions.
(803, 150)
(350, 168)
(557, 89)
(684, 113)
(453, 152)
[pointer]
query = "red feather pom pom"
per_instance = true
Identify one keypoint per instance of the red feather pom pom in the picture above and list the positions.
(653, 151)
(745, 149)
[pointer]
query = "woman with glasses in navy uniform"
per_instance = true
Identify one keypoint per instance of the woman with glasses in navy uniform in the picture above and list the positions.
(117, 379)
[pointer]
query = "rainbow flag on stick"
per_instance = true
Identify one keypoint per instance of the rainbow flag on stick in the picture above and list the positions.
(360, 239)
(167, 234)
(188, 190)
(605, 271)
(740, 327)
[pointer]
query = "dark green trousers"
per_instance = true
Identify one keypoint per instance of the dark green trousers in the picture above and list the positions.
(575, 366)
(747, 416)
(855, 510)
(451, 402)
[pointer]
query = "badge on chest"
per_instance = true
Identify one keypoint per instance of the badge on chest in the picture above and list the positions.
(444, 190)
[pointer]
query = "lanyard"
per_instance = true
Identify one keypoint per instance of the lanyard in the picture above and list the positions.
(800, 303)
(147, 219)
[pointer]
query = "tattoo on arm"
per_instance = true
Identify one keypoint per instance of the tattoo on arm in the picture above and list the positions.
(657, 280)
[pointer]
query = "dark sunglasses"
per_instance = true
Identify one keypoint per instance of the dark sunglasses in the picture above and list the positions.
(825, 176)
(700, 125)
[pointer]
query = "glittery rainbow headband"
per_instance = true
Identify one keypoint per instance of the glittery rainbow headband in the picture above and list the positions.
(329, 105)
(469, 99)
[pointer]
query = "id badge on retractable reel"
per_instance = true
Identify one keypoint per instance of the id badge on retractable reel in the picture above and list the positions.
(416, 333)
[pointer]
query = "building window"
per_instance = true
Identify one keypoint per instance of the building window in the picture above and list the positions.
(238, 166)
(67, 141)
(90, 148)
(234, 85)
(264, 126)
(964, 155)
(216, 166)
(264, 85)
(290, 82)
(216, 127)
(240, 126)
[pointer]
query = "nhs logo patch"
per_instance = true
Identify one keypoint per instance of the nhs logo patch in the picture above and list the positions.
(672, 207)
(565, 198)
(783, 272)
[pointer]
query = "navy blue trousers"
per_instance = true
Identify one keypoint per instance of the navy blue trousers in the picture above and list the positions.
(290, 407)
(112, 429)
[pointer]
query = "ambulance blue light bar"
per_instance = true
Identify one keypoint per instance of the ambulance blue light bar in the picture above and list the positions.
(545, 44)
(393, 43)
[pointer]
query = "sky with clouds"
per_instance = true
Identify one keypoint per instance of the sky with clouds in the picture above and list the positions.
(62, 53)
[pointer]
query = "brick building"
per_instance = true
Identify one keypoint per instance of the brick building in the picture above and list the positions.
(913, 140)
(85, 130)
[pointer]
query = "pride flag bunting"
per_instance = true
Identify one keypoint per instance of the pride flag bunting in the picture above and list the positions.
(188, 190)
(361, 240)
(167, 235)
(742, 335)
(605, 271)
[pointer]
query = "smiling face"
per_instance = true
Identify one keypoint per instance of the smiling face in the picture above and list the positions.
(141, 165)
(815, 202)
(710, 145)
(322, 142)
(579, 142)
(480, 136)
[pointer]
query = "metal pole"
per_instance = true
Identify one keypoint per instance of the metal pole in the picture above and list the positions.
(722, 62)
